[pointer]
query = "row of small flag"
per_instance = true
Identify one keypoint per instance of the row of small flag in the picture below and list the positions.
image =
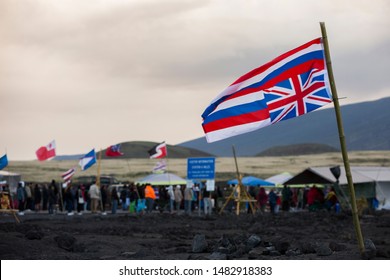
(159, 151)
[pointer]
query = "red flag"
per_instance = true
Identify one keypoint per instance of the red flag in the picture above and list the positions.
(114, 151)
(46, 152)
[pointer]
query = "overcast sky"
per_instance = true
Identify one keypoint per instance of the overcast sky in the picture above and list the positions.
(93, 73)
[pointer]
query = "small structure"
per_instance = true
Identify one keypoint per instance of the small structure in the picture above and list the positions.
(11, 179)
(369, 181)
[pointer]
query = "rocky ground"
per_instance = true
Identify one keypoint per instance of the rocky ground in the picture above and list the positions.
(292, 235)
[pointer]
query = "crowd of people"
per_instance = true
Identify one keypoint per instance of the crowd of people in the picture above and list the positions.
(79, 199)
(310, 198)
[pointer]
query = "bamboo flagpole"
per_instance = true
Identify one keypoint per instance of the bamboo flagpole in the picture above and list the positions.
(342, 139)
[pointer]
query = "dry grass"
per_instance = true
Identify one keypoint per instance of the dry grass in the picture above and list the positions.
(133, 169)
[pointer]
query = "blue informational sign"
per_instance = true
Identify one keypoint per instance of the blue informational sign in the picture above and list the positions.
(200, 168)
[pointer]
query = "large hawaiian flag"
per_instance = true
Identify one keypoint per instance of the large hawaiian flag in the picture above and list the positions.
(291, 85)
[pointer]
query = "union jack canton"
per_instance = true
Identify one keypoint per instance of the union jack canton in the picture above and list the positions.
(297, 96)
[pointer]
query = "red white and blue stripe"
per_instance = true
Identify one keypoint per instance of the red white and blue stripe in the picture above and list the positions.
(66, 176)
(292, 84)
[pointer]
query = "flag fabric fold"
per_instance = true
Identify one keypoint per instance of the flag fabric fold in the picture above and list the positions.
(88, 160)
(66, 176)
(158, 151)
(114, 151)
(293, 84)
(3, 161)
(46, 152)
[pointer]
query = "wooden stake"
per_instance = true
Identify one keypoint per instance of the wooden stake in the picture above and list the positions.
(98, 181)
(243, 195)
(342, 139)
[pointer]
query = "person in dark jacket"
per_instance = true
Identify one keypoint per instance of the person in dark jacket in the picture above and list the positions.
(21, 196)
(45, 197)
(114, 200)
(37, 198)
(69, 200)
(272, 198)
(52, 199)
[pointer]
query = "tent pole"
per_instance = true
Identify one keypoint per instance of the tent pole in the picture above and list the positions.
(342, 140)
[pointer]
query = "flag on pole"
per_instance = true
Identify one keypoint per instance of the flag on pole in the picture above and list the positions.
(46, 152)
(66, 176)
(291, 85)
(160, 166)
(158, 151)
(3, 161)
(88, 160)
(114, 151)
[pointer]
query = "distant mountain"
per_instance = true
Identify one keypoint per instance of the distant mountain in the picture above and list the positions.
(297, 149)
(68, 157)
(366, 127)
(139, 149)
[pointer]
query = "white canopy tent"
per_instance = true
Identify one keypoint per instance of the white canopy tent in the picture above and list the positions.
(280, 179)
(162, 179)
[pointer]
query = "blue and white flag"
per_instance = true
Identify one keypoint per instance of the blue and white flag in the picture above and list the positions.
(88, 160)
(3, 161)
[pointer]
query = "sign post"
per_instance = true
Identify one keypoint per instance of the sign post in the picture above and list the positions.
(200, 169)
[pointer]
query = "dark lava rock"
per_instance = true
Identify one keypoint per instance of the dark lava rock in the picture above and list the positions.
(282, 246)
(253, 241)
(217, 256)
(323, 250)
(293, 252)
(307, 248)
(370, 250)
(65, 241)
(199, 243)
(34, 234)
(336, 247)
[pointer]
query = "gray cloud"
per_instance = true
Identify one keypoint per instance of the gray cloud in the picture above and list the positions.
(145, 70)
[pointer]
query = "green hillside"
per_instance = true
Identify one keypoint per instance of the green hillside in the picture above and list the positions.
(139, 150)
(298, 149)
